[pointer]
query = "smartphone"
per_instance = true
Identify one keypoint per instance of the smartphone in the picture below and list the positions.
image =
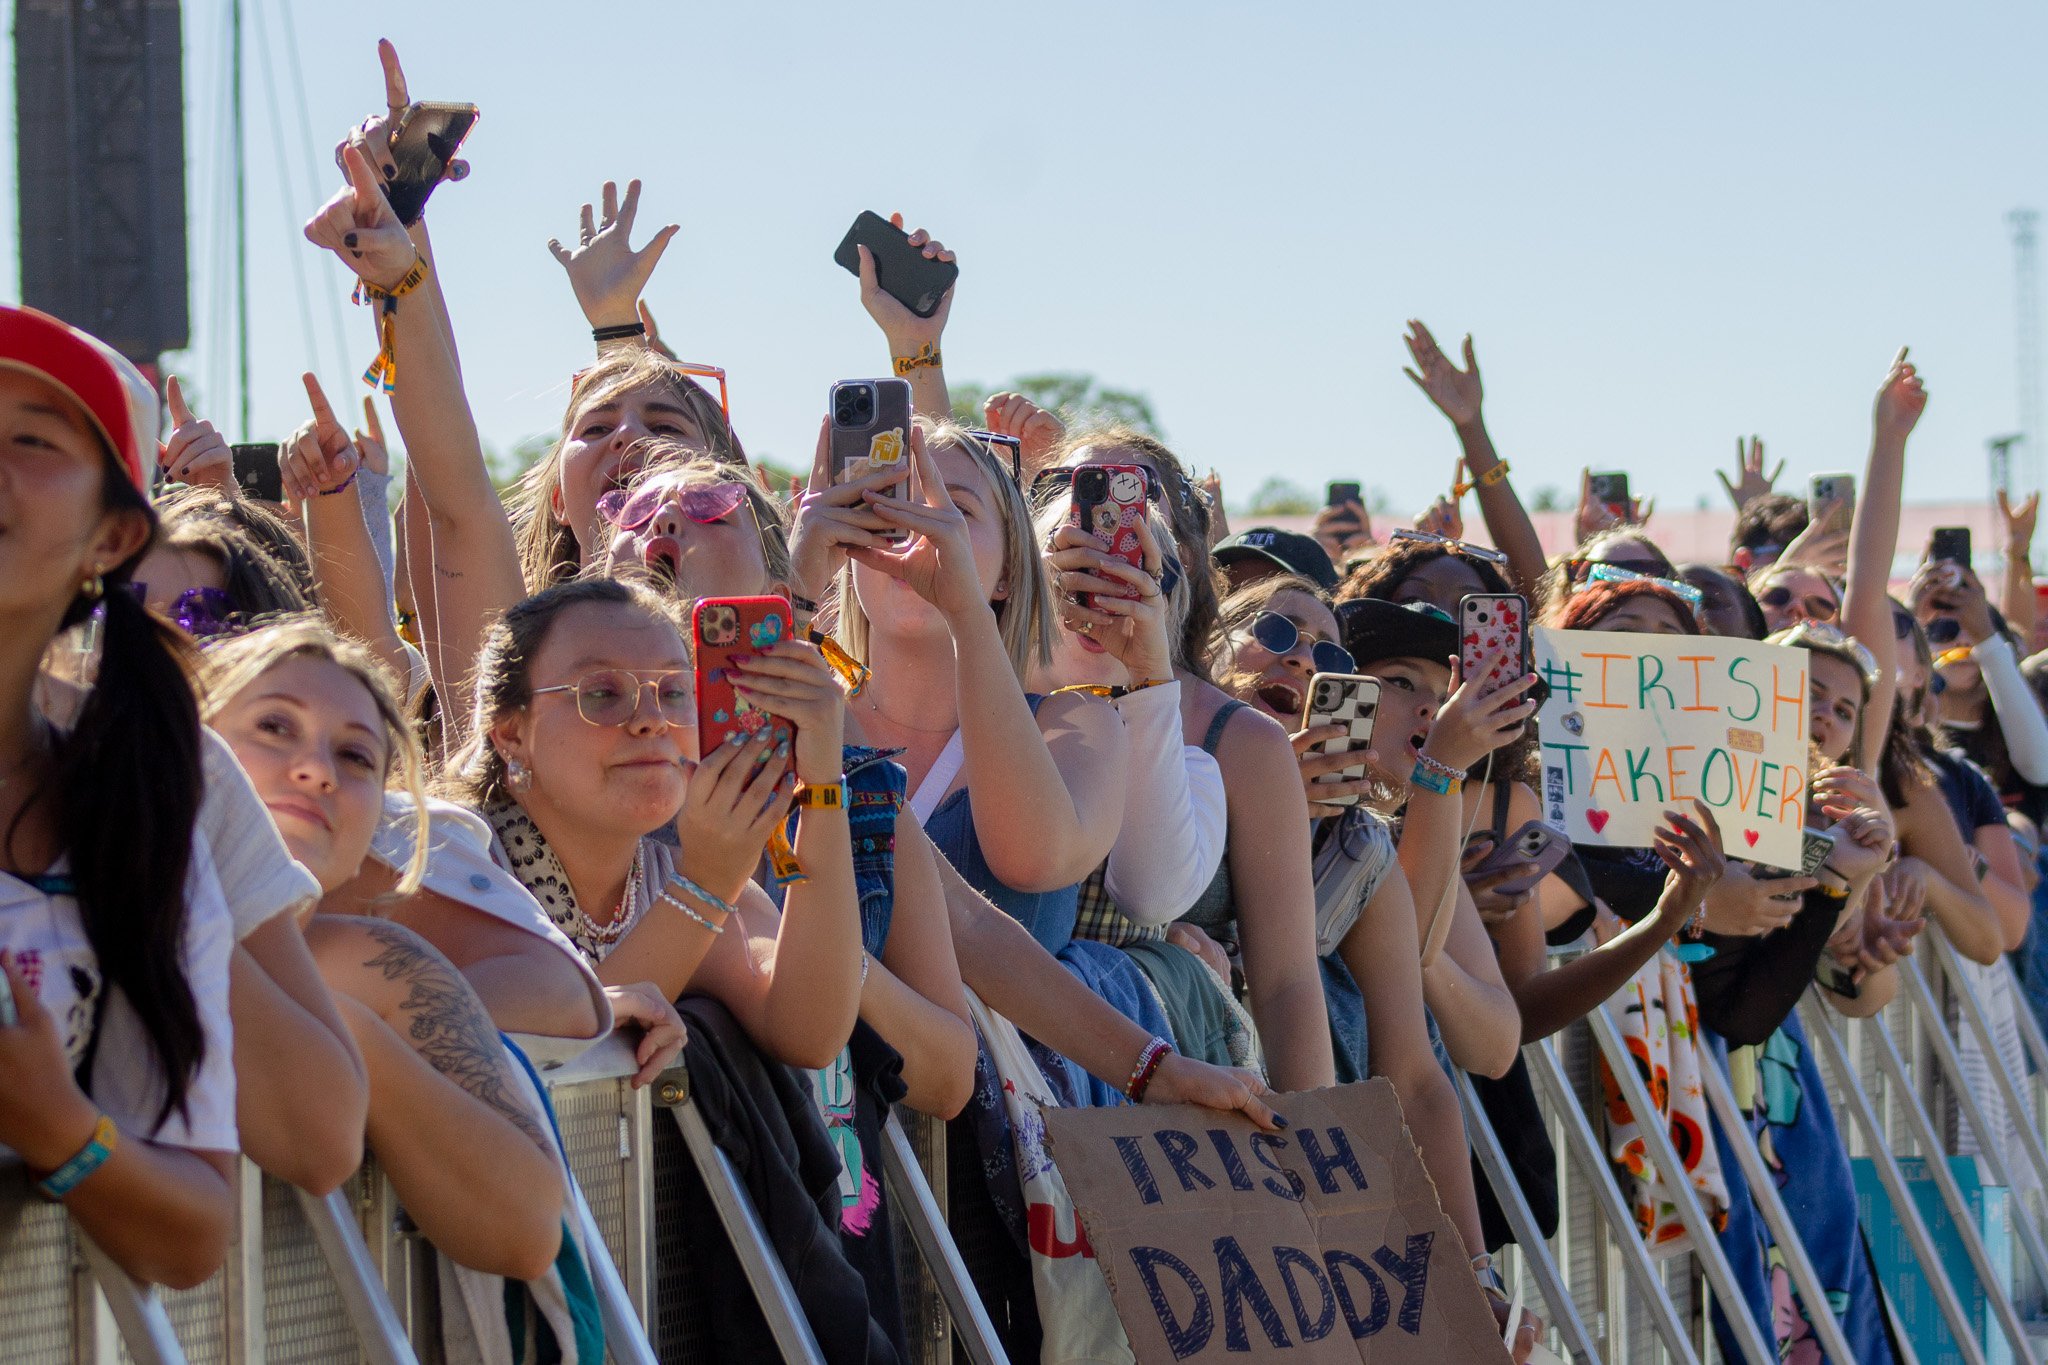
(721, 627)
(1536, 842)
(1833, 976)
(256, 471)
(870, 431)
(1341, 493)
(1831, 495)
(1489, 623)
(1108, 503)
(1351, 701)
(1611, 491)
(426, 140)
(1950, 543)
(905, 273)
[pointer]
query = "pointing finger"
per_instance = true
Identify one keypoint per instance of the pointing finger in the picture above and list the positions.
(174, 395)
(371, 421)
(323, 415)
(395, 94)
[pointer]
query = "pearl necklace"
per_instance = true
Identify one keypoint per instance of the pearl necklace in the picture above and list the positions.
(629, 903)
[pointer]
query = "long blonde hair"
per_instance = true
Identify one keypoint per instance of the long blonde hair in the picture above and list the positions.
(1024, 616)
(548, 551)
(233, 665)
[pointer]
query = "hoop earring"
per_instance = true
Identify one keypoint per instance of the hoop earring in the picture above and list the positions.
(518, 777)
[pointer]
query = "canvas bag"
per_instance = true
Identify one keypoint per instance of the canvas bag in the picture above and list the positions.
(1074, 1308)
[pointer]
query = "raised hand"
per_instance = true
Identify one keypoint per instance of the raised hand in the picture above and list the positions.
(738, 794)
(834, 518)
(1444, 518)
(196, 453)
(372, 137)
(1692, 851)
(1219, 523)
(1900, 399)
(907, 332)
(2019, 521)
(1126, 611)
(1595, 516)
(1474, 722)
(607, 274)
(1744, 903)
(1750, 479)
(358, 226)
(1496, 908)
(793, 679)
(1037, 430)
(938, 563)
(319, 460)
(1342, 530)
(1457, 393)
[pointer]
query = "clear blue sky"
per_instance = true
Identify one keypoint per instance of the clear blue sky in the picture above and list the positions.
(1665, 226)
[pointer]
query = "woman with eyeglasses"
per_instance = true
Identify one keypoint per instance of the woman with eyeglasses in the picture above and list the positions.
(1791, 593)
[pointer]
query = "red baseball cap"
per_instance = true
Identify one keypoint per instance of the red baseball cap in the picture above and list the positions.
(111, 392)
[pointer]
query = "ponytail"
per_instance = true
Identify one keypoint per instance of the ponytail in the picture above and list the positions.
(127, 791)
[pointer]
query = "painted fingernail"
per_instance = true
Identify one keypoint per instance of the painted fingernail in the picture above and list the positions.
(1279, 1121)
(782, 749)
(348, 239)
(736, 737)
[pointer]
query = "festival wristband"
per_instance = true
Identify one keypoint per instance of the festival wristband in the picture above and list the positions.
(1497, 474)
(383, 371)
(927, 358)
(90, 1158)
(822, 795)
(341, 487)
(1430, 780)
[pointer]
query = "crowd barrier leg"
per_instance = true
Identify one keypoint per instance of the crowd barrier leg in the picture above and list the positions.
(144, 1326)
(1971, 1007)
(742, 1225)
(1921, 1127)
(624, 1336)
(1713, 1261)
(1764, 1190)
(378, 1329)
(1564, 1312)
(1584, 1146)
(1990, 1147)
(927, 1223)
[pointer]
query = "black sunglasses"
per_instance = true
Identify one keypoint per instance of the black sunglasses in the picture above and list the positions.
(1010, 443)
(1279, 636)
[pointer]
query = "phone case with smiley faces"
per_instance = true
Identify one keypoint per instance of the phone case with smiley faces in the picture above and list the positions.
(720, 628)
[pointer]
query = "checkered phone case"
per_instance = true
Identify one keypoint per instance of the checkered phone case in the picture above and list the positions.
(1351, 701)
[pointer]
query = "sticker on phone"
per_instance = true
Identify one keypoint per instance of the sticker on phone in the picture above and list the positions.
(886, 448)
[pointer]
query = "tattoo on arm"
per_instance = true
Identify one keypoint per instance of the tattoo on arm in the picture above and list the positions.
(446, 1023)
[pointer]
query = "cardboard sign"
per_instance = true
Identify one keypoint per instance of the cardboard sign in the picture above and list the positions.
(1321, 1243)
(1636, 725)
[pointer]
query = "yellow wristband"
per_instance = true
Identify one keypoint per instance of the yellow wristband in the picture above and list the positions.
(927, 358)
(1497, 474)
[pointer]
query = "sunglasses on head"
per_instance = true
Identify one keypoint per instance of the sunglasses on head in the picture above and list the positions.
(611, 696)
(1614, 573)
(1279, 636)
(1578, 569)
(1778, 597)
(995, 441)
(1456, 547)
(629, 509)
(199, 612)
(695, 371)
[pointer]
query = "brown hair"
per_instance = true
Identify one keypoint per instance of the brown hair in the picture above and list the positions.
(1236, 612)
(548, 552)
(1186, 509)
(1591, 604)
(504, 672)
(263, 566)
(1382, 574)
(233, 665)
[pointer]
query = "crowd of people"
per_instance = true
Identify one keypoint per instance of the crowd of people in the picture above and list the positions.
(309, 802)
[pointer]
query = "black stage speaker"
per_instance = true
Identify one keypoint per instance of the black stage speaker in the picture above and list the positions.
(100, 132)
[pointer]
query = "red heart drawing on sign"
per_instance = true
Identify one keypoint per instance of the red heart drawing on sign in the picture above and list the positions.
(1751, 836)
(1597, 819)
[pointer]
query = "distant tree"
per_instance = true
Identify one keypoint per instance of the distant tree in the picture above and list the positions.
(1278, 497)
(1546, 499)
(1077, 399)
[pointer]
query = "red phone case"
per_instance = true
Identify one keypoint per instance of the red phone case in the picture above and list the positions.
(1113, 517)
(721, 627)
(1487, 624)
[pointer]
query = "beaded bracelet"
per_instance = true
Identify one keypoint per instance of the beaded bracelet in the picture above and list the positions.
(678, 879)
(1148, 1063)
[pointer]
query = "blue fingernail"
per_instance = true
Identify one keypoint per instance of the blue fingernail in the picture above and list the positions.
(1279, 1121)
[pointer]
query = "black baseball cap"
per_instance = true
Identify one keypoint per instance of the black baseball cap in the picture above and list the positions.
(1290, 550)
(1373, 630)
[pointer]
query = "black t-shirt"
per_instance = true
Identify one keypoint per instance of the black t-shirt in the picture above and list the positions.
(1971, 797)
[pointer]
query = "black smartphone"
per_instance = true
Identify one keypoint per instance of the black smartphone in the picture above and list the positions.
(256, 471)
(1611, 491)
(427, 138)
(1950, 544)
(1341, 493)
(903, 270)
